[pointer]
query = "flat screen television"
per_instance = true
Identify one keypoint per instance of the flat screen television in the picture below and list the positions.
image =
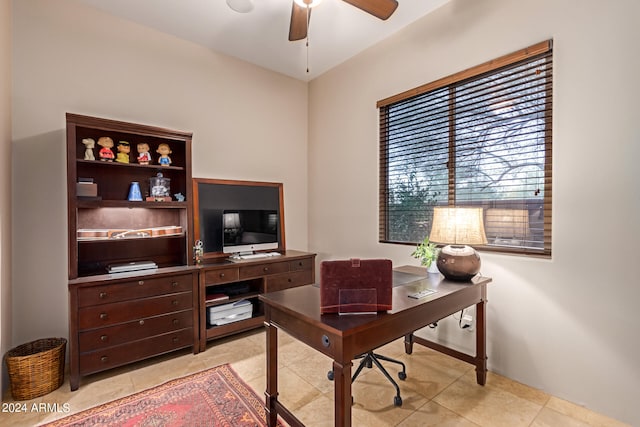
(252, 200)
(248, 230)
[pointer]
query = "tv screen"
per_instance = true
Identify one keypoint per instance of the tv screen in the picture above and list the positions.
(213, 197)
(249, 230)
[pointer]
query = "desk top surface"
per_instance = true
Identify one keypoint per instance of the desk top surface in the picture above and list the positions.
(304, 301)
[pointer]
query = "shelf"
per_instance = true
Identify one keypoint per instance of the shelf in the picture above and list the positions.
(233, 299)
(94, 204)
(115, 164)
(127, 239)
(231, 328)
(95, 219)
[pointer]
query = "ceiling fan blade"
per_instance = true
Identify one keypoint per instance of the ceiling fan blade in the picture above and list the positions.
(382, 9)
(298, 25)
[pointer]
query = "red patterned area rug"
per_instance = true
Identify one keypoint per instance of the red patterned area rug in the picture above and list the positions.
(215, 397)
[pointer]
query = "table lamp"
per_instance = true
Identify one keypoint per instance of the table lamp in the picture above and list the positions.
(457, 228)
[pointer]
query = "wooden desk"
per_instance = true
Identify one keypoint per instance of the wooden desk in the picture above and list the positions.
(297, 312)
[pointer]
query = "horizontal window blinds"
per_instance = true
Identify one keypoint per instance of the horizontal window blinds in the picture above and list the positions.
(479, 138)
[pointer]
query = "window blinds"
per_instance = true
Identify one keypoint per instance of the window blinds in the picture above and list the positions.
(482, 137)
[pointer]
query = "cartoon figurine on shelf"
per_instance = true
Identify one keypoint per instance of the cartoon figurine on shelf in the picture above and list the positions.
(123, 152)
(198, 251)
(105, 153)
(89, 144)
(144, 157)
(164, 151)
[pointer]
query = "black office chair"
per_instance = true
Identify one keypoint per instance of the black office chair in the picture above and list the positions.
(369, 359)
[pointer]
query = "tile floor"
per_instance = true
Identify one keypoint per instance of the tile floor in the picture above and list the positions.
(438, 391)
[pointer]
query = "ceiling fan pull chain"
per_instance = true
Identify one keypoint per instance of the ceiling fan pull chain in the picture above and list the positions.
(307, 41)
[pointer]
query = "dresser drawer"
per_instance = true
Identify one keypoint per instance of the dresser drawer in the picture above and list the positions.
(134, 330)
(265, 269)
(111, 357)
(289, 280)
(138, 288)
(301, 264)
(223, 275)
(120, 312)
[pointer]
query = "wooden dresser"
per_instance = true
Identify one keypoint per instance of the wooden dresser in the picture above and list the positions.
(117, 319)
(245, 280)
(120, 319)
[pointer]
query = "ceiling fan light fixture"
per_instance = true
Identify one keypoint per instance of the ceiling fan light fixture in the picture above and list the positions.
(241, 6)
(308, 3)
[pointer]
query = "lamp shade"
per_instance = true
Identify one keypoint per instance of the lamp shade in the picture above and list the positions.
(458, 226)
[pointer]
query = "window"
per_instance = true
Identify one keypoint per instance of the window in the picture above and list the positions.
(481, 137)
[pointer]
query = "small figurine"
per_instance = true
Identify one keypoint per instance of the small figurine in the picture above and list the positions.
(89, 143)
(179, 197)
(164, 151)
(144, 157)
(198, 252)
(105, 153)
(123, 152)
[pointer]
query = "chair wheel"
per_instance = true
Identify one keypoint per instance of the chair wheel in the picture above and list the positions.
(402, 376)
(330, 375)
(397, 401)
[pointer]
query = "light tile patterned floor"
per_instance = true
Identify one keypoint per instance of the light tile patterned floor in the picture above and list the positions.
(438, 391)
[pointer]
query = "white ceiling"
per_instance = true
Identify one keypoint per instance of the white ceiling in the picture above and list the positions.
(337, 32)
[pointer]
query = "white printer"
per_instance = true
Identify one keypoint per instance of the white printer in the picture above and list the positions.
(228, 313)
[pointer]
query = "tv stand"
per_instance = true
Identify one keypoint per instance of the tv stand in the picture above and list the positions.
(225, 281)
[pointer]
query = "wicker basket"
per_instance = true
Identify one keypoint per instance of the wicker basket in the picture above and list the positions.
(36, 368)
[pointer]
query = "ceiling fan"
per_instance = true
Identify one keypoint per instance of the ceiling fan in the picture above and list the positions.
(301, 12)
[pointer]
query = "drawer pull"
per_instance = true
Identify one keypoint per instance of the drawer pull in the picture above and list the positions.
(141, 322)
(103, 316)
(265, 269)
(289, 280)
(300, 264)
(176, 321)
(175, 339)
(174, 284)
(103, 338)
(175, 302)
(103, 295)
(104, 359)
(221, 275)
(140, 282)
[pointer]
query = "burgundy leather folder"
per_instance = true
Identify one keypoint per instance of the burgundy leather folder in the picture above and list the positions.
(355, 285)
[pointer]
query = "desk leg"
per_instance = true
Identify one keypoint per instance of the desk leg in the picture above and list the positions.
(408, 343)
(343, 399)
(481, 343)
(272, 374)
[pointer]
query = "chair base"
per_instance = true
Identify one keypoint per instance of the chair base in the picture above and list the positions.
(369, 359)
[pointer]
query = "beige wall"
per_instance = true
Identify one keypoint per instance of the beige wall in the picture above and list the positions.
(567, 325)
(5, 181)
(248, 123)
